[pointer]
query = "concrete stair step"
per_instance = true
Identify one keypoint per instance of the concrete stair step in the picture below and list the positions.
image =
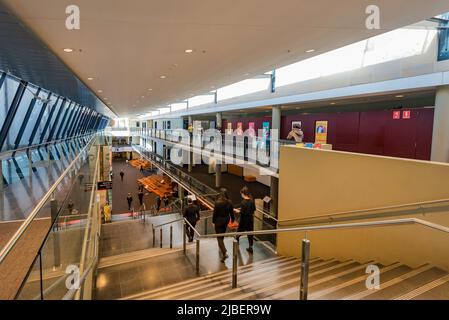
(204, 279)
(407, 285)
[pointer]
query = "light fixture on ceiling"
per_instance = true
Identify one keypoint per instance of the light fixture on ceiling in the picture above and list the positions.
(163, 77)
(310, 51)
(106, 99)
(400, 96)
(332, 103)
(150, 89)
(188, 50)
(90, 78)
(68, 50)
(100, 91)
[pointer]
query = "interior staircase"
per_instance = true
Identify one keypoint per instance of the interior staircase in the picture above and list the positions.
(278, 278)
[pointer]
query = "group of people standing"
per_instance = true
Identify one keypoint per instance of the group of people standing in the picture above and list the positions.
(224, 213)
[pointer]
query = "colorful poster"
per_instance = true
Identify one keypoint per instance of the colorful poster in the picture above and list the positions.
(266, 129)
(321, 132)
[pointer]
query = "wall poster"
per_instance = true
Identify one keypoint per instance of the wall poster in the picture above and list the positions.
(321, 132)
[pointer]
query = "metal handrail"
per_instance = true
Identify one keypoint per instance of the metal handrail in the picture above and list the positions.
(330, 215)
(335, 226)
(24, 226)
(166, 223)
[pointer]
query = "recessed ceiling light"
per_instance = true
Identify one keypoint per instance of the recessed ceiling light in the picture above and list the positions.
(100, 91)
(90, 78)
(400, 96)
(106, 99)
(150, 89)
(310, 51)
(188, 51)
(163, 77)
(68, 50)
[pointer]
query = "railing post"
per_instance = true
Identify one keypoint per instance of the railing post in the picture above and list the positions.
(235, 249)
(171, 237)
(154, 235)
(184, 237)
(160, 237)
(197, 256)
(205, 225)
(41, 281)
(304, 282)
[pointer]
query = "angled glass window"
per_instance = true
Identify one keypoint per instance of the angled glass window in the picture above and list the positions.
(19, 117)
(7, 93)
(40, 131)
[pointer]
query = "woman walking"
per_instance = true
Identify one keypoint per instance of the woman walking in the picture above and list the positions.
(247, 209)
(223, 212)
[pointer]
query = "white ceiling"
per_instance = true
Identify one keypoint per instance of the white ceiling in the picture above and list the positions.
(127, 45)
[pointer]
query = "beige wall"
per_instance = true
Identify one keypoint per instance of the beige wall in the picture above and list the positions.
(317, 182)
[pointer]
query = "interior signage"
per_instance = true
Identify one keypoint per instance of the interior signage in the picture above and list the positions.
(406, 114)
(396, 115)
(104, 185)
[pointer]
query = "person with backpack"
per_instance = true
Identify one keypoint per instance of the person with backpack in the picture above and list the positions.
(223, 213)
(192, 215)
(247, 209)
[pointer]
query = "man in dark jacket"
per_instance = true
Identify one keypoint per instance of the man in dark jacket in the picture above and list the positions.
(223, 212)
(129, 199)
(192, 215)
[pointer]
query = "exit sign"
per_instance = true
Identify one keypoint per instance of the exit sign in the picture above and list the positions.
(406, 114)
(396, 115)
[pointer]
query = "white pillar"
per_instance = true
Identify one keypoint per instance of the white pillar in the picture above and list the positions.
(440, 137)
(276, 117)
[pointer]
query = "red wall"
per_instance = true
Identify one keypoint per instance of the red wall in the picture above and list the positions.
(372, 132)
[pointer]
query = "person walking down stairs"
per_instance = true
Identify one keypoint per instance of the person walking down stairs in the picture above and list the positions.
(247, 209)
(192, 215)
(223, 212)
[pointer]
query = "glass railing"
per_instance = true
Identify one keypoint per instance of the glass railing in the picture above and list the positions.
(58, 239)
(238, 147)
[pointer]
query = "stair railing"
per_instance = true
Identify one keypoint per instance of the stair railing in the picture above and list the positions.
(305, 254)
